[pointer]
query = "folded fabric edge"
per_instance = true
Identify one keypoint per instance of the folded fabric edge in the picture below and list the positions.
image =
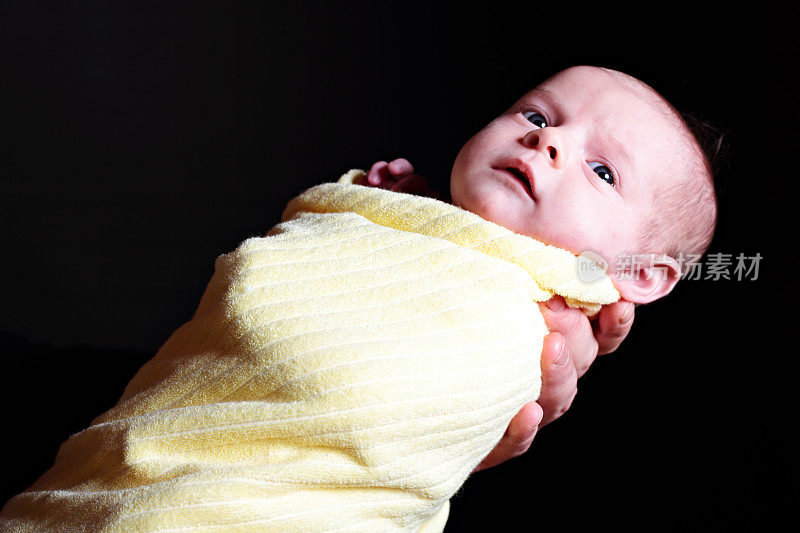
(589, 296)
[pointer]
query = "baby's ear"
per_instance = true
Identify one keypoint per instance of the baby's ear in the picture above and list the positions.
(647, 278)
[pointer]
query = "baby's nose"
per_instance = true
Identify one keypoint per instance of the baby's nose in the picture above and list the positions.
(550, 142)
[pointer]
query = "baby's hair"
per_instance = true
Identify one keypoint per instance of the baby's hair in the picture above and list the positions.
(685, 211)
(712, 141)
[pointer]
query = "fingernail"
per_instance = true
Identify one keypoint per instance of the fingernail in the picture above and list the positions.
(555, 304)
(563, 357)
(627, 315)
(373, 179)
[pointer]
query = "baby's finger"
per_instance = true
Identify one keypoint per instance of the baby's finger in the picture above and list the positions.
(377, 173)
(412, 184)
(517, 438)
(612, 325)
(400, 167)
(559, 378)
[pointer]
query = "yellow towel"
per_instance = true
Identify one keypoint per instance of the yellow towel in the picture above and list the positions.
(345, 372)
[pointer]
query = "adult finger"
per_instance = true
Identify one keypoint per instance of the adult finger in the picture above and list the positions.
(400, 167)
(576, 329)
(559, 378)
(517, 438)
(612, 325)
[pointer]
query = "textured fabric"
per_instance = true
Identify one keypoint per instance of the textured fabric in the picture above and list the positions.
(345, 372)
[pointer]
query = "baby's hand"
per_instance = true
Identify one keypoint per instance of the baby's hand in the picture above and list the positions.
(396, 176)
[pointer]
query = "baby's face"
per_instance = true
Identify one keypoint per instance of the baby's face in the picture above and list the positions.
(592, 150)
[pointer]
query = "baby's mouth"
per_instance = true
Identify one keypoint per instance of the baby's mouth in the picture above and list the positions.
(521, 177)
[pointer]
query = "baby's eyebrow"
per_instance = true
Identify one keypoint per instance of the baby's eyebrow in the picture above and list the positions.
(544, 93)
(544, 90)
(619, 149)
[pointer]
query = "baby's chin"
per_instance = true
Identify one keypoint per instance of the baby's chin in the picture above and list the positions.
(498, 202)
(493, 201)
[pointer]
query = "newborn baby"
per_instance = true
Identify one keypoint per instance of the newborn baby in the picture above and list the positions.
(351, 368)
(590, 160)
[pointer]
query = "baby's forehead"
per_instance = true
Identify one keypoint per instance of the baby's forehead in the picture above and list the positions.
(618, 105)
(594, 89)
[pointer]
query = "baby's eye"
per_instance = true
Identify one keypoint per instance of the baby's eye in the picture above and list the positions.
(603, 171)
(537, 119)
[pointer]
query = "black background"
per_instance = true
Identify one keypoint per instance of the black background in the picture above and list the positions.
(144, 139)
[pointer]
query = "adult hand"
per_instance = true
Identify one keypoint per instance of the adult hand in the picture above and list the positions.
(568, 352)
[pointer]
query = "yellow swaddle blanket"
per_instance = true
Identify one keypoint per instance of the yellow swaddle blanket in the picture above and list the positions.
(345, 372)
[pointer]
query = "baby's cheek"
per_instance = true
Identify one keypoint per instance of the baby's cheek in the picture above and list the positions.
(465, 185)
(482, 198)
(574, 226)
